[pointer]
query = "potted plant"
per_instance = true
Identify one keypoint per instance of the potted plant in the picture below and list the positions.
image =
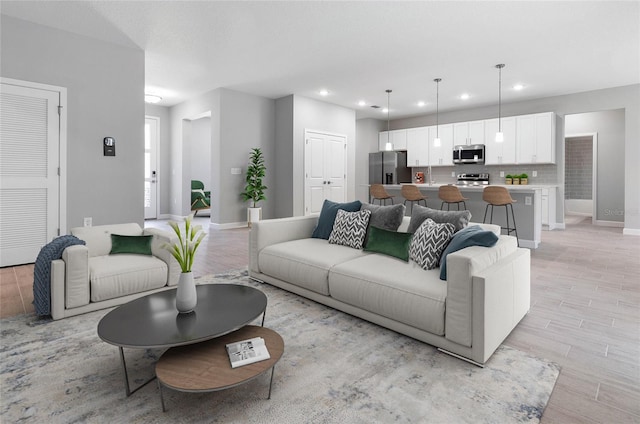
(184, 251)
(524, 179)
(508, 179)
(254, 189)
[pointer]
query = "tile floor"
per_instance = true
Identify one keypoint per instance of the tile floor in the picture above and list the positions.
(585, 313)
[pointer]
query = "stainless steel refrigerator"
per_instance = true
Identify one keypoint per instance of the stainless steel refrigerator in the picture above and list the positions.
(388, 168)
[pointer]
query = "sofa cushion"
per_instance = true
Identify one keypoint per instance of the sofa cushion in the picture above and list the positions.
(470, 236)
(305, 262)
(428, 243)
(390, 243)
(350, 228)
(386, 217)
(98, 238)
(397, 290)
(140, 245)
(328, 216)
(419, 213)
(112, 276)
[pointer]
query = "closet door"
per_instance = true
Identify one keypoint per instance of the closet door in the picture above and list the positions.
(29, 167)
(325, 170)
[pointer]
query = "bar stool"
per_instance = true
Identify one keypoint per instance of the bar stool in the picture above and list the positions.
(412, 194)
(499, 196)
(451, 194)
(378, 192)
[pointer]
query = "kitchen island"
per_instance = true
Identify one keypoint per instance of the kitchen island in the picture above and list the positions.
(528, 208)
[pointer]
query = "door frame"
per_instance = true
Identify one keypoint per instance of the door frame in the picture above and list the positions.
(594, 171)
(307, 131)
(62, 143)
(157, 157)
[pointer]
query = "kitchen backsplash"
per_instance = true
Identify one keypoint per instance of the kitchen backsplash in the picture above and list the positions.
(547, 174)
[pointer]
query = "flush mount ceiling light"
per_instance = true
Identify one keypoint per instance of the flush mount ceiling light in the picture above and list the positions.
(464, 96)
(500, 134)
(388, 146)
(421, 104)
(324, 92)
(362, 103)
(152, 98)
(518, 87)
(436, 141)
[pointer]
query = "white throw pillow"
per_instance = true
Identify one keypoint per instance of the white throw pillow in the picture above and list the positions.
(428, 243)
(349, 228)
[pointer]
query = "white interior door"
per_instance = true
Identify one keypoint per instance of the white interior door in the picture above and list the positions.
(325, 170)
(29, 171)
(150, 168)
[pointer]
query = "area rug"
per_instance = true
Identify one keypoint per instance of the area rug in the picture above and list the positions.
(335, 369)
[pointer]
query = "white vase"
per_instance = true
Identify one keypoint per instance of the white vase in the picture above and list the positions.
(186, 295)
(253, 215)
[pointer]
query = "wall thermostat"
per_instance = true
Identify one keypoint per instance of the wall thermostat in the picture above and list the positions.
(109, 146)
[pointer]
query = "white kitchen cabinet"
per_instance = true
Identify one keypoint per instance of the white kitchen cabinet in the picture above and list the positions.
(418, 146)
(467, 133)
(548, 205)
(441, 155)
(504, 152)
(536, 138)
(398, 139)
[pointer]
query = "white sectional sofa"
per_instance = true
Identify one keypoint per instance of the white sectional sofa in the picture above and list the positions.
(486, 294)
(88, 278)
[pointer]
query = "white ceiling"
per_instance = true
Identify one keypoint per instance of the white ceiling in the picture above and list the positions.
(359, 49)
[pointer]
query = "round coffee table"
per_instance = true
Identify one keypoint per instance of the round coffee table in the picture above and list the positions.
(153, 321)
(205, 367)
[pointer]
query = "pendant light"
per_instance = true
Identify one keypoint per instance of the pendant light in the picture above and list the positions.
(500, 134)
(389, 145)
(436, 141)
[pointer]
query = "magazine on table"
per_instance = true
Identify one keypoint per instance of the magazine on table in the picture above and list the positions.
(247, 352)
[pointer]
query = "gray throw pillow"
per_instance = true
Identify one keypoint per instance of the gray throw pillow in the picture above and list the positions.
(459, 219)
(385, 217)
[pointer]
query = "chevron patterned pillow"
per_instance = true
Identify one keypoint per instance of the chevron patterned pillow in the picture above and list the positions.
(349, 228)
(428, 243)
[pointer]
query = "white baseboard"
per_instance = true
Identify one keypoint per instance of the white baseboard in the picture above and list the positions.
(227, 226)
(609, 223)
(631, 232)
(529, 244)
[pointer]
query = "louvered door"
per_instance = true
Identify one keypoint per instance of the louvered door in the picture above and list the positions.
(29, 163)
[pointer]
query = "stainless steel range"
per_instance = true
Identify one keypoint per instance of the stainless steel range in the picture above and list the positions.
(473, 179)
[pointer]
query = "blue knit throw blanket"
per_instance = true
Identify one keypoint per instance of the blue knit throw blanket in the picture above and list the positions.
(42, 272)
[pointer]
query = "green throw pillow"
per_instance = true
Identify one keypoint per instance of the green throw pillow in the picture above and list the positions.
(140, 245)
(390, 243)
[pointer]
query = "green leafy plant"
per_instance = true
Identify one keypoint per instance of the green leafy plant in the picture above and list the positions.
(254, 189)
(509, 176)
(184, 250)
(523, 176)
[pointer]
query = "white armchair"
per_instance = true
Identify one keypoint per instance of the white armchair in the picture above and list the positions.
(88, 278)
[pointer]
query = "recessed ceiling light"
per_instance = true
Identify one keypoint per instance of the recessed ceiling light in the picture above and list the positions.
(385, 110)
(362, 103)
(518, 87)
(152, 98)
(324, 92)
(421, 103)
(464, 96)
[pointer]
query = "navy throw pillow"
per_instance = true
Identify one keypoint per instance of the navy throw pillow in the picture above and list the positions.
(469, 236)
(328, 217)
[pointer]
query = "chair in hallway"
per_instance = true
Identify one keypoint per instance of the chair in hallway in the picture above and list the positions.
(412, 194)
(200, 199)
(378, 192)
(451, 194)
(499, 196)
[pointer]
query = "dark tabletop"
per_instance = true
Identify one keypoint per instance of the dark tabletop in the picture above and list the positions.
(154, 322)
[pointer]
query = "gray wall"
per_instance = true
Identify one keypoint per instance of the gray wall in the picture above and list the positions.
(284, 153)
(309, 114)
(164, 164)
(201, 151)
(626, 98)
(105, 89)
(239, 122)
(610, 185)
(366, 142)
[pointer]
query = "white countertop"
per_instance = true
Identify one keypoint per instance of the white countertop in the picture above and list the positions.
(478, 187)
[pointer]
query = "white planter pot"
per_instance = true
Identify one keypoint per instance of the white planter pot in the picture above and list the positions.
(186, 295)
(253, 215)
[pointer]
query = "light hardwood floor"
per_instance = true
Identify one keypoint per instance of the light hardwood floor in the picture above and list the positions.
(585, 314)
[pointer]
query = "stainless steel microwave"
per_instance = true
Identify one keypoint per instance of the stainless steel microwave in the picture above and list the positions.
(468, 153)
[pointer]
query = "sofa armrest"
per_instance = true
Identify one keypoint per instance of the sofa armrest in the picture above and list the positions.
(271, 231)
(76, 281)
(160, 239)
(462, 266)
